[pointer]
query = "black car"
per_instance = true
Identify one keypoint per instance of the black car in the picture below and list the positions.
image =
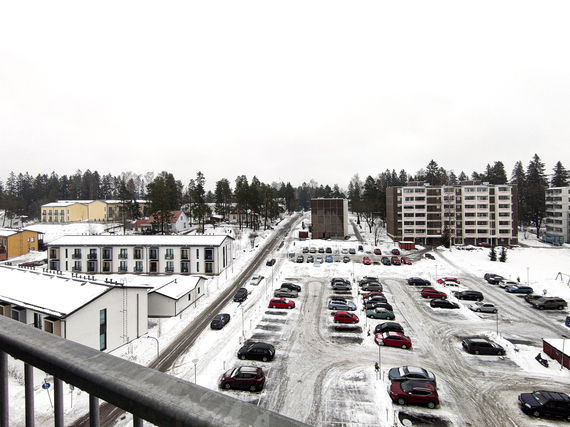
(345, 259)
(219, 321)
(352, 251)
(418, 281)
(385, 260)
(241, 295)
(494, 279)
(469, 295)
(328, 250)
(270, 262)
(545, 403)
(310, 258)
(404, 373)
(291, 286)
(257, 351)
(300, 259)
(388, 327)
(360, 248)
(371, 305)
(376, 298)
(443, 303)
(482, 346)
(429, 256)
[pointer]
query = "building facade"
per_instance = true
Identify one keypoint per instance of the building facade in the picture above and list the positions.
(557, 215)
(206, 255)
(14, 243)
(473, 212)
(329, 218)
(65, 211)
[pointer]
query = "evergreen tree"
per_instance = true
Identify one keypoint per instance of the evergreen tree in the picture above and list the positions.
(560, 177)
(518, 178)
(493, 253)
(446, 236)
(535, 197)
(223, 196)
(462, 177)
(503, 257)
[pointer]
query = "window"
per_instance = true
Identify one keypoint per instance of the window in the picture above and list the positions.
(123, 254)
(504, 197)
(153, 253)
(103, 329)
(408, 199)
(469, 197)
(482, 222)
(138, 266)
(106, 266)
(481, 189)
(76, 254)
(482, 206)
(482, 214)
(169, 254)
(107, 253)
(123, 266)
(170, 266)
(197, 267)
(37, 320)
(137, 253)
(469, 206)
(92, 254)
(503, 188)
(503, 206)
(184, 253)
(185, 267)
(76, 266)
(209, 267)
(209, 254)
(482, 197)
(197, 253)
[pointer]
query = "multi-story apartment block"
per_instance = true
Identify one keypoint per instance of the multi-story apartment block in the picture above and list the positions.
(64, 211)
(205, 255)
(557, 215)
(473, 212)
(329, 218)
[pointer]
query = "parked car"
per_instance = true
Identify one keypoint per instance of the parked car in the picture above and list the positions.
(519, 289)
(285, 292)
(339, 279)
(395, 252)
(377, 251)
(319, 259)
(418, 281)
(469, 295)
(405, 260)
(300, 259)
(256, 280)
(404, 373)
(432, 293)
(372, 305)
(352, 251)
(549, 303)
(313, 250)
(395, 260)
(482, 346)
(292, 286)
(448, 279)
(387, 327)
(544, 403)
(344, 250)
(367, 279)
(281, 303)
(380, 313)
(429, 256)
(341, 286)
(305, 250)
(393, 339)
(344, 306)
(443, 303)
(338, 298)
(529, 297)
(270, 262)
(345, 259)
(495, 279)
(345, 317)
(448, 283)
(245, 378)
(505, 283)
(329, 258)
(376, 298)
(310, 258)
(366, 261)
(257, 351)
(373, 286)
(241, 295)
(328, 250)
(385, 260)
(219, 321)
(321, 250)
(360, 248)
(371, 294)
(484, 307)
(414, 391)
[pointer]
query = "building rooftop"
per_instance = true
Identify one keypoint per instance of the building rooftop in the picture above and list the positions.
(119, 240)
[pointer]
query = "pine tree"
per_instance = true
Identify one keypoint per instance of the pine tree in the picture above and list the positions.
(560, 177)
(503, 256)
(536, 185)
(518, 178)
(493, 254)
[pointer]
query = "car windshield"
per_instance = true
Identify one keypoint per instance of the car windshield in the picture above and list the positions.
(539, 397)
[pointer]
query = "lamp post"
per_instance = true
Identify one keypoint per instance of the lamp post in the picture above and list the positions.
(497, 321)
(380, 358)
(527, 276)
(242, 324)
(195, 362)
(157, 346)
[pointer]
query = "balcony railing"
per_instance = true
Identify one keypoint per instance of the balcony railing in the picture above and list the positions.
(148, 394)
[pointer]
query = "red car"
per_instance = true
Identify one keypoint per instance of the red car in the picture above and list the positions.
(244, 377)
(448, 279)
(345, 317)
(372, 294)
(432, 293)
(414, 391)
(393, 339)
(366, 261)
(406, 260)
(281, 303)
(395, 260)
(377, 251)
(395, 252)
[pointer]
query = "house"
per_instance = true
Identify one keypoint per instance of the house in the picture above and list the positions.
(153, 254)
(174, 297)
(179, 222)
(99, 315)
(14, 243)
(65, 211)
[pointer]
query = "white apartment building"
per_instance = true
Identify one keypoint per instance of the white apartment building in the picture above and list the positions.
(475, 213)
(205, 255)
(557, 215)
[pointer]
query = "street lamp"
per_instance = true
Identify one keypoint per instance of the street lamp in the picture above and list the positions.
(157, 346)
(527, 276)
(242, 324)
(195, 362)
(497, 321)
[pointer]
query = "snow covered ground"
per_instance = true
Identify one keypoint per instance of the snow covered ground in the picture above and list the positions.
(324, 374)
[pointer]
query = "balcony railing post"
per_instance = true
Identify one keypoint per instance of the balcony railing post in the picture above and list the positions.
(4, 403)
(58, 402)
(137, 422)
(93, 411)
(29, 392)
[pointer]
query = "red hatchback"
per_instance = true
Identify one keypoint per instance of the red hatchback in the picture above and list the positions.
(372, 294)
(414, 391)
(432, 293)
(395, 252)
(345, 317)
(406, 260)
(366, 261)
(245, 378)
(377, 251)
(395, 260)
(281, 303)
(393, 339)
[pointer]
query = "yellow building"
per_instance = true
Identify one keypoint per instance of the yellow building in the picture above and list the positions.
(64, 211)
(14, 243)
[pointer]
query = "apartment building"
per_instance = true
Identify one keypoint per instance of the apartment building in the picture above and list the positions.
(557, 215)
(329, 218)
(206, 255)
(65, 211)
(475, 213)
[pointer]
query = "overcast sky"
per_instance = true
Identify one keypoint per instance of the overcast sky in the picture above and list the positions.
(285, 91)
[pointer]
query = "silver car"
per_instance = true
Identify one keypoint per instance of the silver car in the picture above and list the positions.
(285, 293)
(343, 306)
(484, 307)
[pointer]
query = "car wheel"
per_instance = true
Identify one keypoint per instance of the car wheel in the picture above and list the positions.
(227, 386)
(289, 307)
(502, 353)
(495, 310)
(560, 307)
(271, 306)
(478, 309)
(431, 405)
(401, 401)
(404, 346)
(252, 388)
(242, 357)
(353, 322)
(476, 352)
(541, 307)
(336, 321)
(264, 359)
(536, 414)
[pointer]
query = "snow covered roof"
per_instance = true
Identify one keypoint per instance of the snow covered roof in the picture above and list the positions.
(179, 287)
(7, 233)
(43, 292)
(63, 203)
(114, 240)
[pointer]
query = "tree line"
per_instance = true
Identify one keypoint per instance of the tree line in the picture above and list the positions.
(23, 194)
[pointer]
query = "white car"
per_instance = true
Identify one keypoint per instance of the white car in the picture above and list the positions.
(256, 280)
(344, 250)
(484, 307)
(504, 283)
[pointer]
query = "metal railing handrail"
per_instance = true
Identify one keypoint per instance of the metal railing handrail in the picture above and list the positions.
(146, 393)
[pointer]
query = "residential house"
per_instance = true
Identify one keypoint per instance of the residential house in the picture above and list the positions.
(174, 297)
(65, 211)
(14, 243)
